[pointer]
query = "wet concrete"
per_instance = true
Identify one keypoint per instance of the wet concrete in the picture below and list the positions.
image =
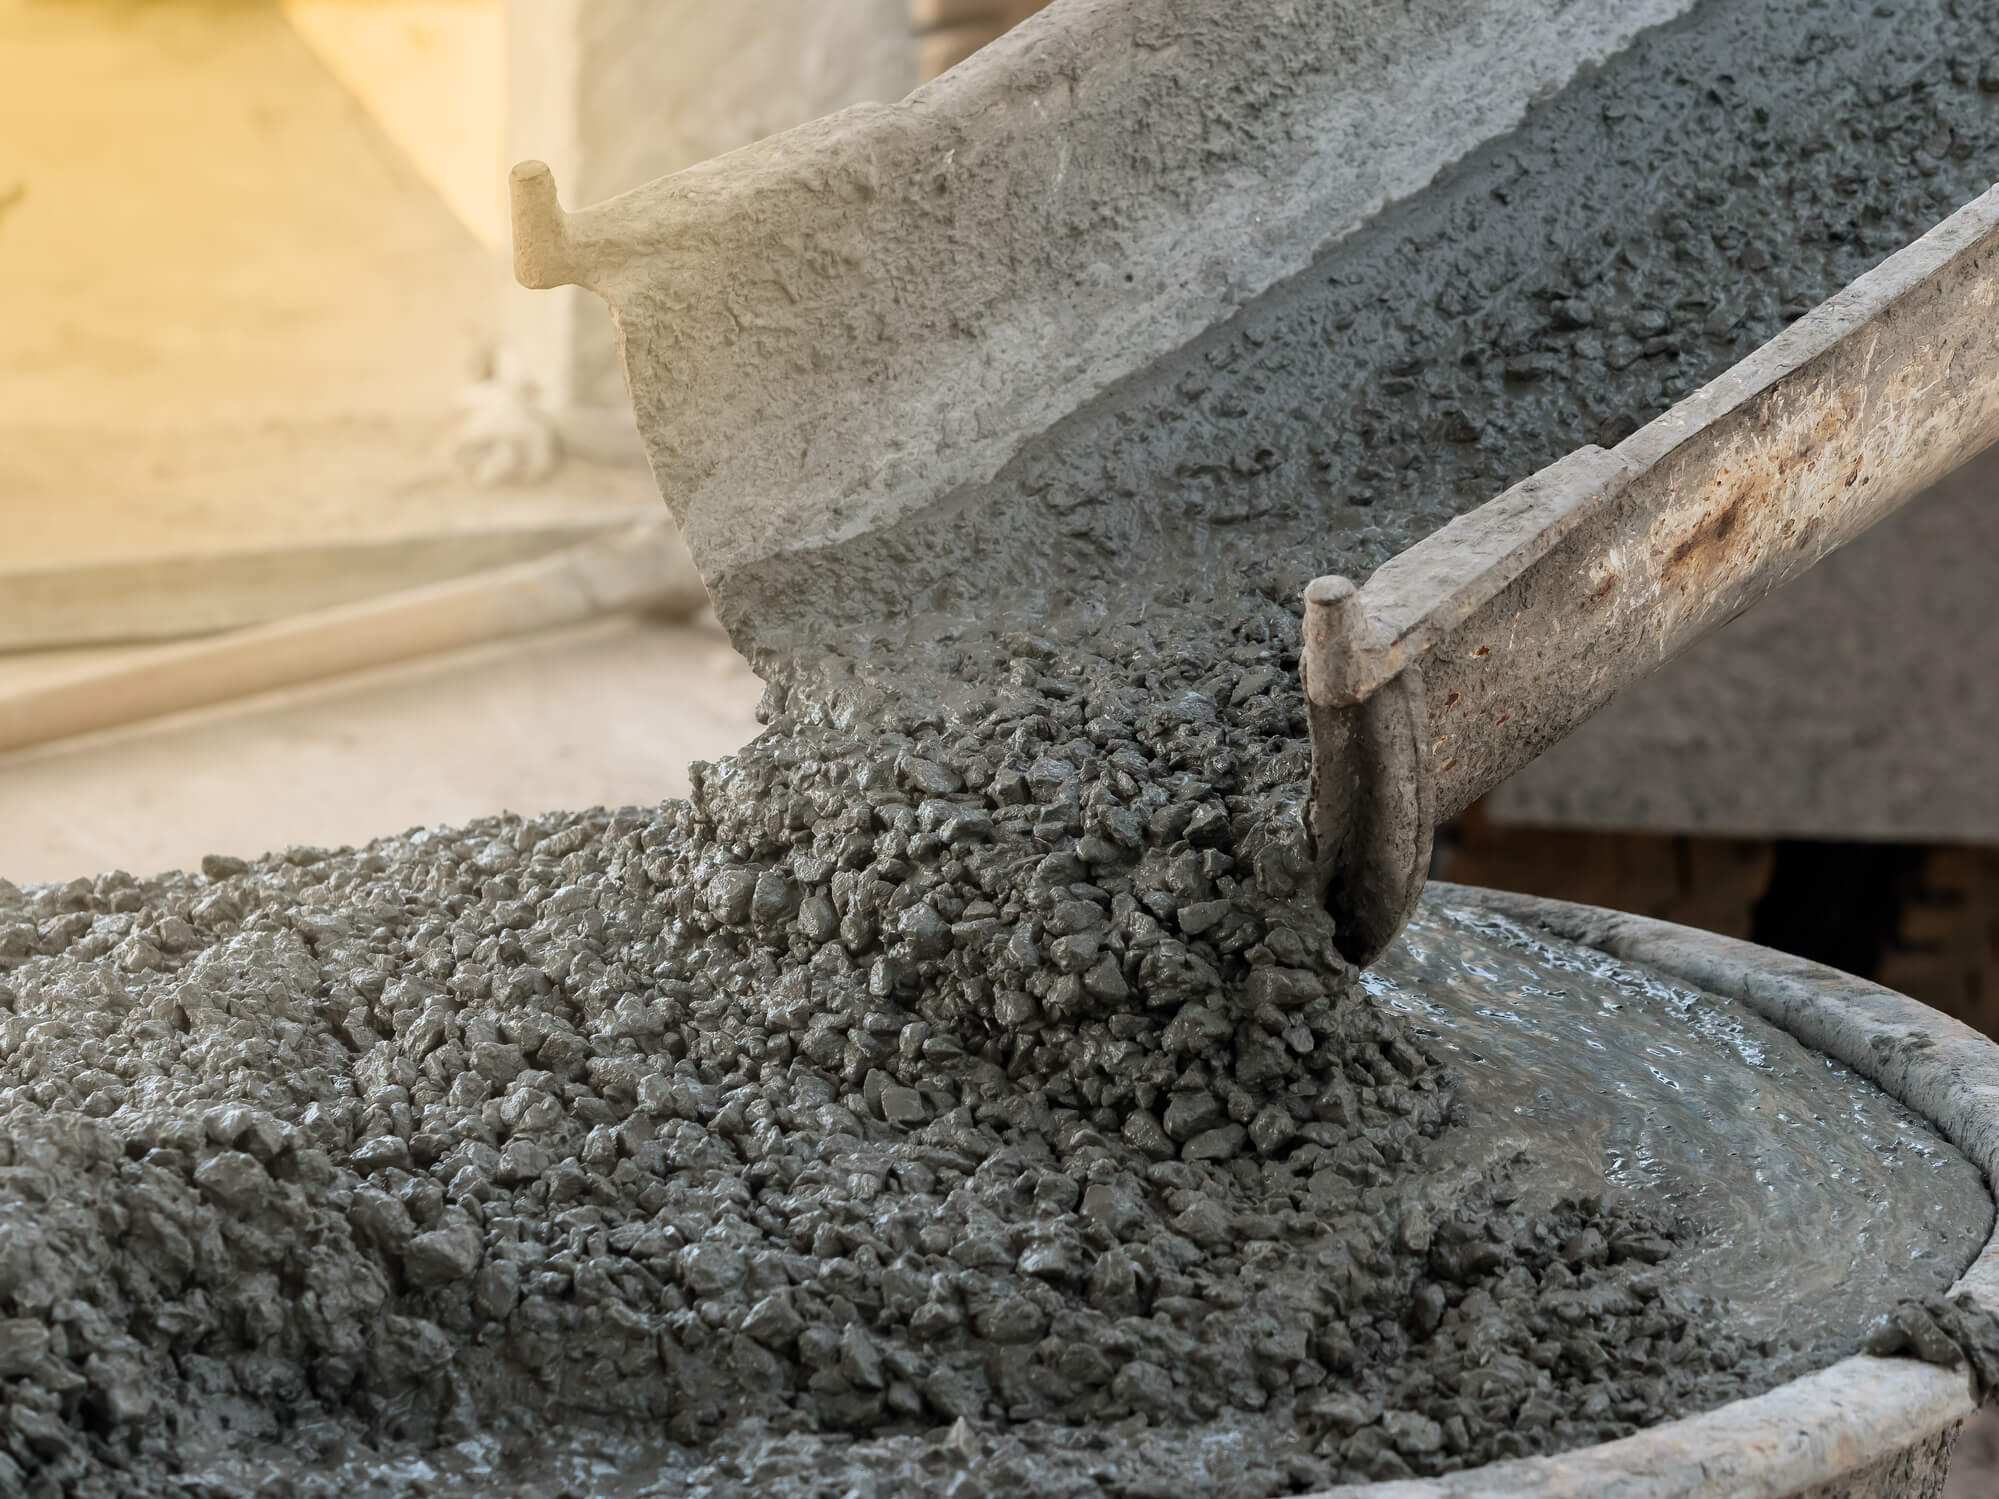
(1644, 230)
(360, 1173)
(960, 1091)
(1781, 1161)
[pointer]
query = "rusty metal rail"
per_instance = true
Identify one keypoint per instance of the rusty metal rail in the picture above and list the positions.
(1469, 654)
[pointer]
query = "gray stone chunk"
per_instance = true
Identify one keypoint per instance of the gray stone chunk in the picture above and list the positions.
(443, 1256)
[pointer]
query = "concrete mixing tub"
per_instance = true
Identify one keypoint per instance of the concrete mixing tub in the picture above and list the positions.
(1865, 1428)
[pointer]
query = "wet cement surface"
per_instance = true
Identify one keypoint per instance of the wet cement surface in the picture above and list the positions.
(371, 1173)
(1810, 1193)
(960, 1092)
(1644, 230)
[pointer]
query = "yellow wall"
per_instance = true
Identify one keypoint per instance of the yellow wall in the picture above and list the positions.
(432, 73)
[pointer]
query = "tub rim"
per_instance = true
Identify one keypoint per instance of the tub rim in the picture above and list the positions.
(1859, 1411)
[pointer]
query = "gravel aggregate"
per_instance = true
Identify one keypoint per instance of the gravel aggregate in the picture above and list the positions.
(959, 1093)
(989, 1084)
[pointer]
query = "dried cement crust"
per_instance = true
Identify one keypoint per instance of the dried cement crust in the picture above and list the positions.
(1824, 1436)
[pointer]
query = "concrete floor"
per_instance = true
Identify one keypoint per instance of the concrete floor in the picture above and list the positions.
(609, 714)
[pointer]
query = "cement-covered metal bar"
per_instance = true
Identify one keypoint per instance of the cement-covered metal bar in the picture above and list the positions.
(1511, 626)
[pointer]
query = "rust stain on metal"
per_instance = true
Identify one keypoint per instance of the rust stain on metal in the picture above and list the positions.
(1706, 547)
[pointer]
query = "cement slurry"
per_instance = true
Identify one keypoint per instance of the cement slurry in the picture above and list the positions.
(959, 1092)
